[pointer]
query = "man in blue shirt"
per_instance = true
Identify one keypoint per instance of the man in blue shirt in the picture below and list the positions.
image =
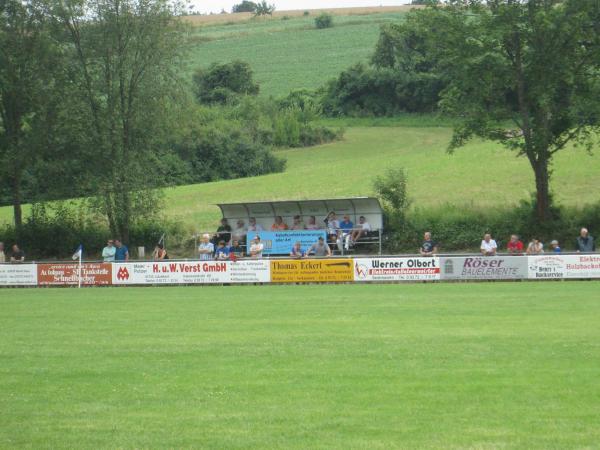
(222, 251)
(346, 227)
(121, 251)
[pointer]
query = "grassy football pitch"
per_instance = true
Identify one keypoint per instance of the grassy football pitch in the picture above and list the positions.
(478, 365)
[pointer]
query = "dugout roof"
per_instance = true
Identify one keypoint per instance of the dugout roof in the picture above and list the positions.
(265, 211)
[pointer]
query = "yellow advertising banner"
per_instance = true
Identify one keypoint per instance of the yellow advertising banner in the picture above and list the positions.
(311, 270)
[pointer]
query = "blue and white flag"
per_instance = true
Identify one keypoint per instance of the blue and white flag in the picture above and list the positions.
(78, 253)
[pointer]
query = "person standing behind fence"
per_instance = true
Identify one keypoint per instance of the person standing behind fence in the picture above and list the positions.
(18, 256)
(488, 246)
(2, 255)
(121, 251)
(223, 232)
(256, 249)
(320, 248)
(515, 245)
(297, 251)
(206, 248)
(429, 247)
(585, 243)
(159, 253)
(108, 252)
(535, 247)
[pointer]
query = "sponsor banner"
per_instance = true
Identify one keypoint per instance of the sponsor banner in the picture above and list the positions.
(92, 274)
(397, 269)
(483, 267)
(311, 270)
(281, 242)
(191, 272)
(544, 267)
(18, 275)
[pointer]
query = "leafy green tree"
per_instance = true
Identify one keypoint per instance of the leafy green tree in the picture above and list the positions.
(221, 83)
(245, 6)
(126, 58)
(522, 73)
(28, 59)
(264, 9)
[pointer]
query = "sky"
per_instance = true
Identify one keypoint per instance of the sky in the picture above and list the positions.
(207, 6)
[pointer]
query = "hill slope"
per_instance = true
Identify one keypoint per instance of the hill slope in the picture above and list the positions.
(481, 174)
(289, 54)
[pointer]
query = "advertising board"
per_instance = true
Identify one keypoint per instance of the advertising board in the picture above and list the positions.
(483, 267)
(311, 270)
(281, 242)
(191, 272)
(59, 274)
(18, 275)
(564, 266)
(397, 269)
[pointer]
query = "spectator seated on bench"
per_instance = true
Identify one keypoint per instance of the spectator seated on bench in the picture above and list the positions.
(362, 229)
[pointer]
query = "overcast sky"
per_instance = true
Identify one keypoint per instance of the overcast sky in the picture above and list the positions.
(207, 6)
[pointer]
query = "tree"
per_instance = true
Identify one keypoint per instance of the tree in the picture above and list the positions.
(525, 74)
(27, 59)
(221, 83)
(126, 56)
(245, 6)
(264, 9)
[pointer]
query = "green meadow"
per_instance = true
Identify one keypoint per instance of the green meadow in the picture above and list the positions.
(478, 365)
(289, 54)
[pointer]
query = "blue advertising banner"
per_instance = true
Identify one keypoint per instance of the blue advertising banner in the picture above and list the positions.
(281, 242)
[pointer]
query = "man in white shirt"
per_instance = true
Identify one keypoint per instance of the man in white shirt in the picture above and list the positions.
(488, 246)
(206, 248)
(253, 227)
(239, 234)
(256, 248)
(362, 228)
(108, 252)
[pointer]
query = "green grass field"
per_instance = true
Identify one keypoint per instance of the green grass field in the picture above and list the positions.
(290, 54)
(487, 365)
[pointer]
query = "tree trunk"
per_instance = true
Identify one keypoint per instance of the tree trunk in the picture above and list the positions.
(17, 201)
(542, 186)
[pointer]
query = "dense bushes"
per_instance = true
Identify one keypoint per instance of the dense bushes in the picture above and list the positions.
(55, 231)
(223, 83)
(461, 228)
(365, 91)
(221, 153)
(323, 20)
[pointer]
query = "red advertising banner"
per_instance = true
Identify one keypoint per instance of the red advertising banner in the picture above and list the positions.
(92, 274)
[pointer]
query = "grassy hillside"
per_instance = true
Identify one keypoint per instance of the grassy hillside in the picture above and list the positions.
(481, 174)
(289, 54)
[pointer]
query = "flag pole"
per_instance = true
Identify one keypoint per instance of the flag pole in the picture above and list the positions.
(79, 268)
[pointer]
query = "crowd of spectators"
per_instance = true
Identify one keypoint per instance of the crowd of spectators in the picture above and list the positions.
(231, 244)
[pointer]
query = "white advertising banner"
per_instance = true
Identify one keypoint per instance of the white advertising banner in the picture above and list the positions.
(483, 267)
(18, 275)
(192, 272)
(545, 267)
(397, 269)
